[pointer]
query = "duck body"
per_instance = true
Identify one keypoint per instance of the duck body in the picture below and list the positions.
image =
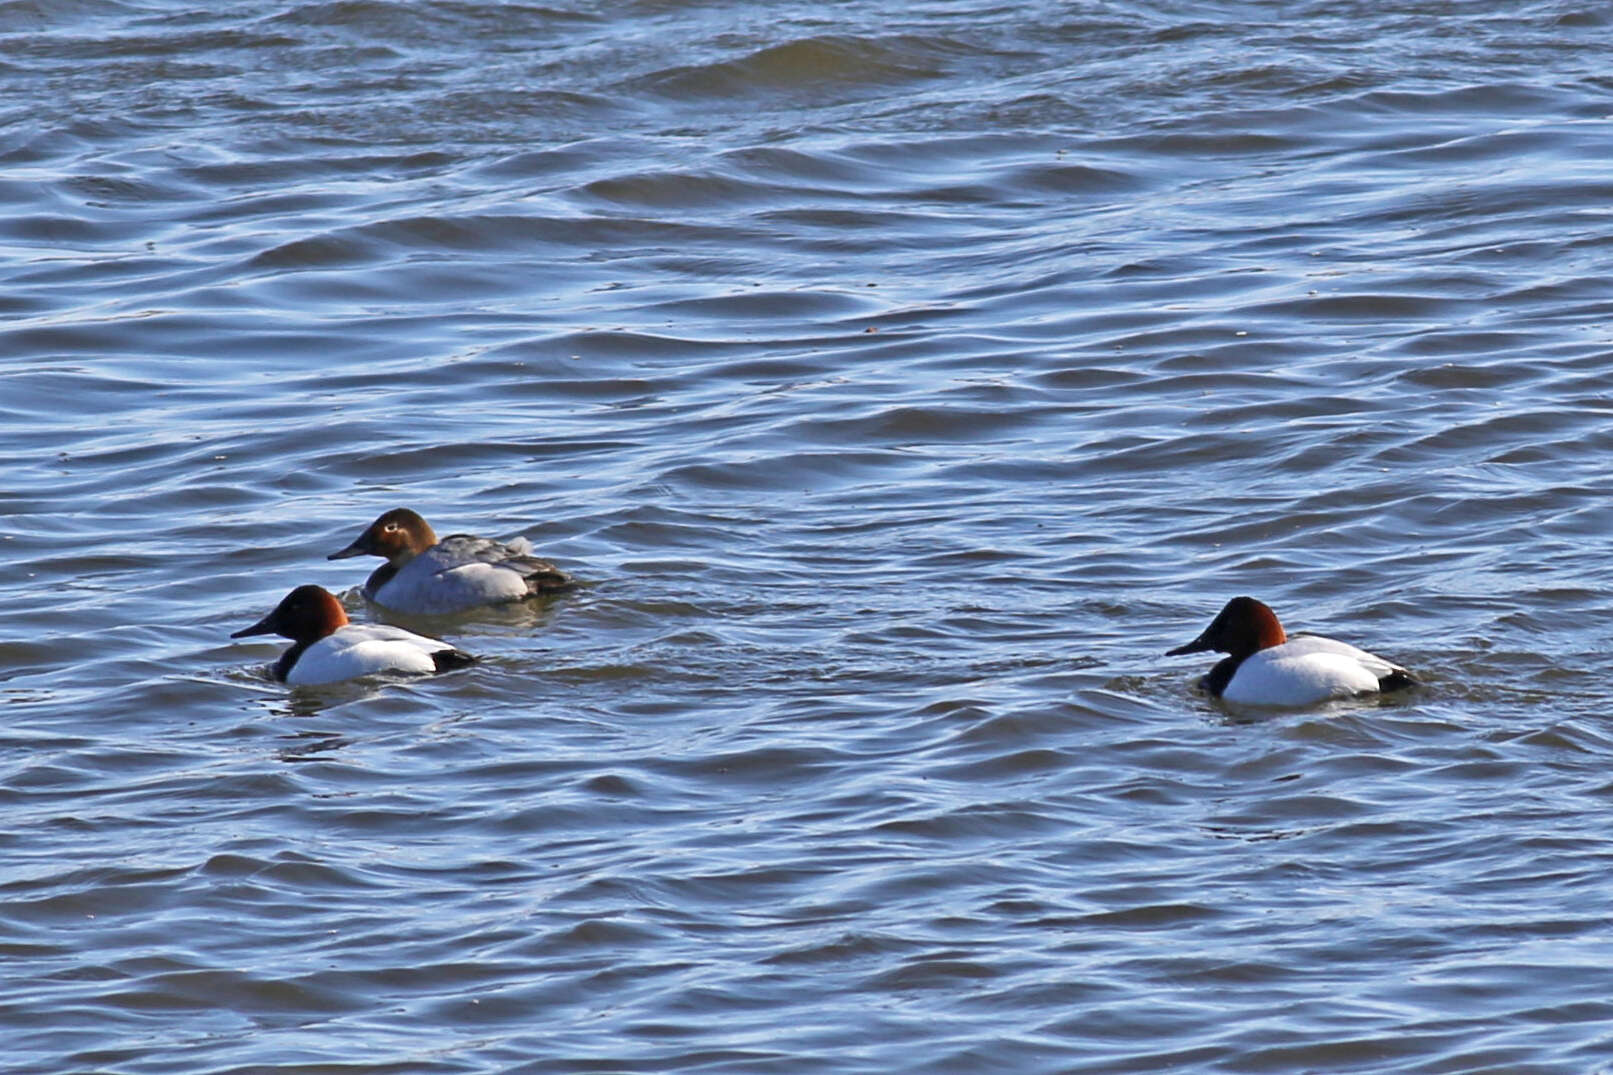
(327, 648)
(1265, 667)
(425, 576)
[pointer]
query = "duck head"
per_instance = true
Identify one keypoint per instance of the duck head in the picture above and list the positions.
(306, 614)
(398, 536)
(1243, 626)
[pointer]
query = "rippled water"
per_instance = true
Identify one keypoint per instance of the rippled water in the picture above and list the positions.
(903, 380)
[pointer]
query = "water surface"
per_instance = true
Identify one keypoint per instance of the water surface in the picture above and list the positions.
(903, 383)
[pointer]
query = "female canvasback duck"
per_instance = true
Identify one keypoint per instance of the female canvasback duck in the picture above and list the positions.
(327, 648)
(427, 577)
(1267, 667)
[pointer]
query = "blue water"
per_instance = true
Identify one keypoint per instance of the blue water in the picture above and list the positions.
(902, 382)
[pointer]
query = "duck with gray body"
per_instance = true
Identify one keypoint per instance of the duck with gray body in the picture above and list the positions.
(425, 576)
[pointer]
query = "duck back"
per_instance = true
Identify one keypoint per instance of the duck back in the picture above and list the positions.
(462, 572)
(368, 649)
(1308, 669)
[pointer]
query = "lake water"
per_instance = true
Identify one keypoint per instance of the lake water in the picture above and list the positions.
(903, 380)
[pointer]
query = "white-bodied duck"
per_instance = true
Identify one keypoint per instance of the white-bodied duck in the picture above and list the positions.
(327, 648)
(1267, 667)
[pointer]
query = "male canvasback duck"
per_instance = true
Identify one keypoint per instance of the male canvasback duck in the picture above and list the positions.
(427, 577)
(327, 648)
(1267, 667)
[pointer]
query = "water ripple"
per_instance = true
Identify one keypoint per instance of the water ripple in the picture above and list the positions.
(900, 385)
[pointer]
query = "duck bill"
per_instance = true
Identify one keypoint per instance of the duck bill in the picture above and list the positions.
(264, 626)
(1198, 645)
(360, 547)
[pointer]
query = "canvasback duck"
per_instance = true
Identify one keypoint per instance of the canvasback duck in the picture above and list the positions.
(1267, 667)
(327, 648)
(425, 576)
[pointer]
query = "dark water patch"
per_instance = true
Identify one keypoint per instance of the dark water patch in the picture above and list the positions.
(763, 303)
(1467, 371)
(261, 171)
(55, 231)
(316, 253)
(1485, 100)
(838, 64)
(561, 163)
(668, 191)
(816, 167)
(909, 426)
(478, 235)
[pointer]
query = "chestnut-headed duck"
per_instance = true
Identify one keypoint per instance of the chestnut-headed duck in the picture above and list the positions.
(424, 576)
(326, 648)
(1267, 667)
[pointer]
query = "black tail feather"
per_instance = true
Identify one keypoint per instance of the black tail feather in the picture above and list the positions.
(1398, 680)
(547, 579)
(446, 660)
